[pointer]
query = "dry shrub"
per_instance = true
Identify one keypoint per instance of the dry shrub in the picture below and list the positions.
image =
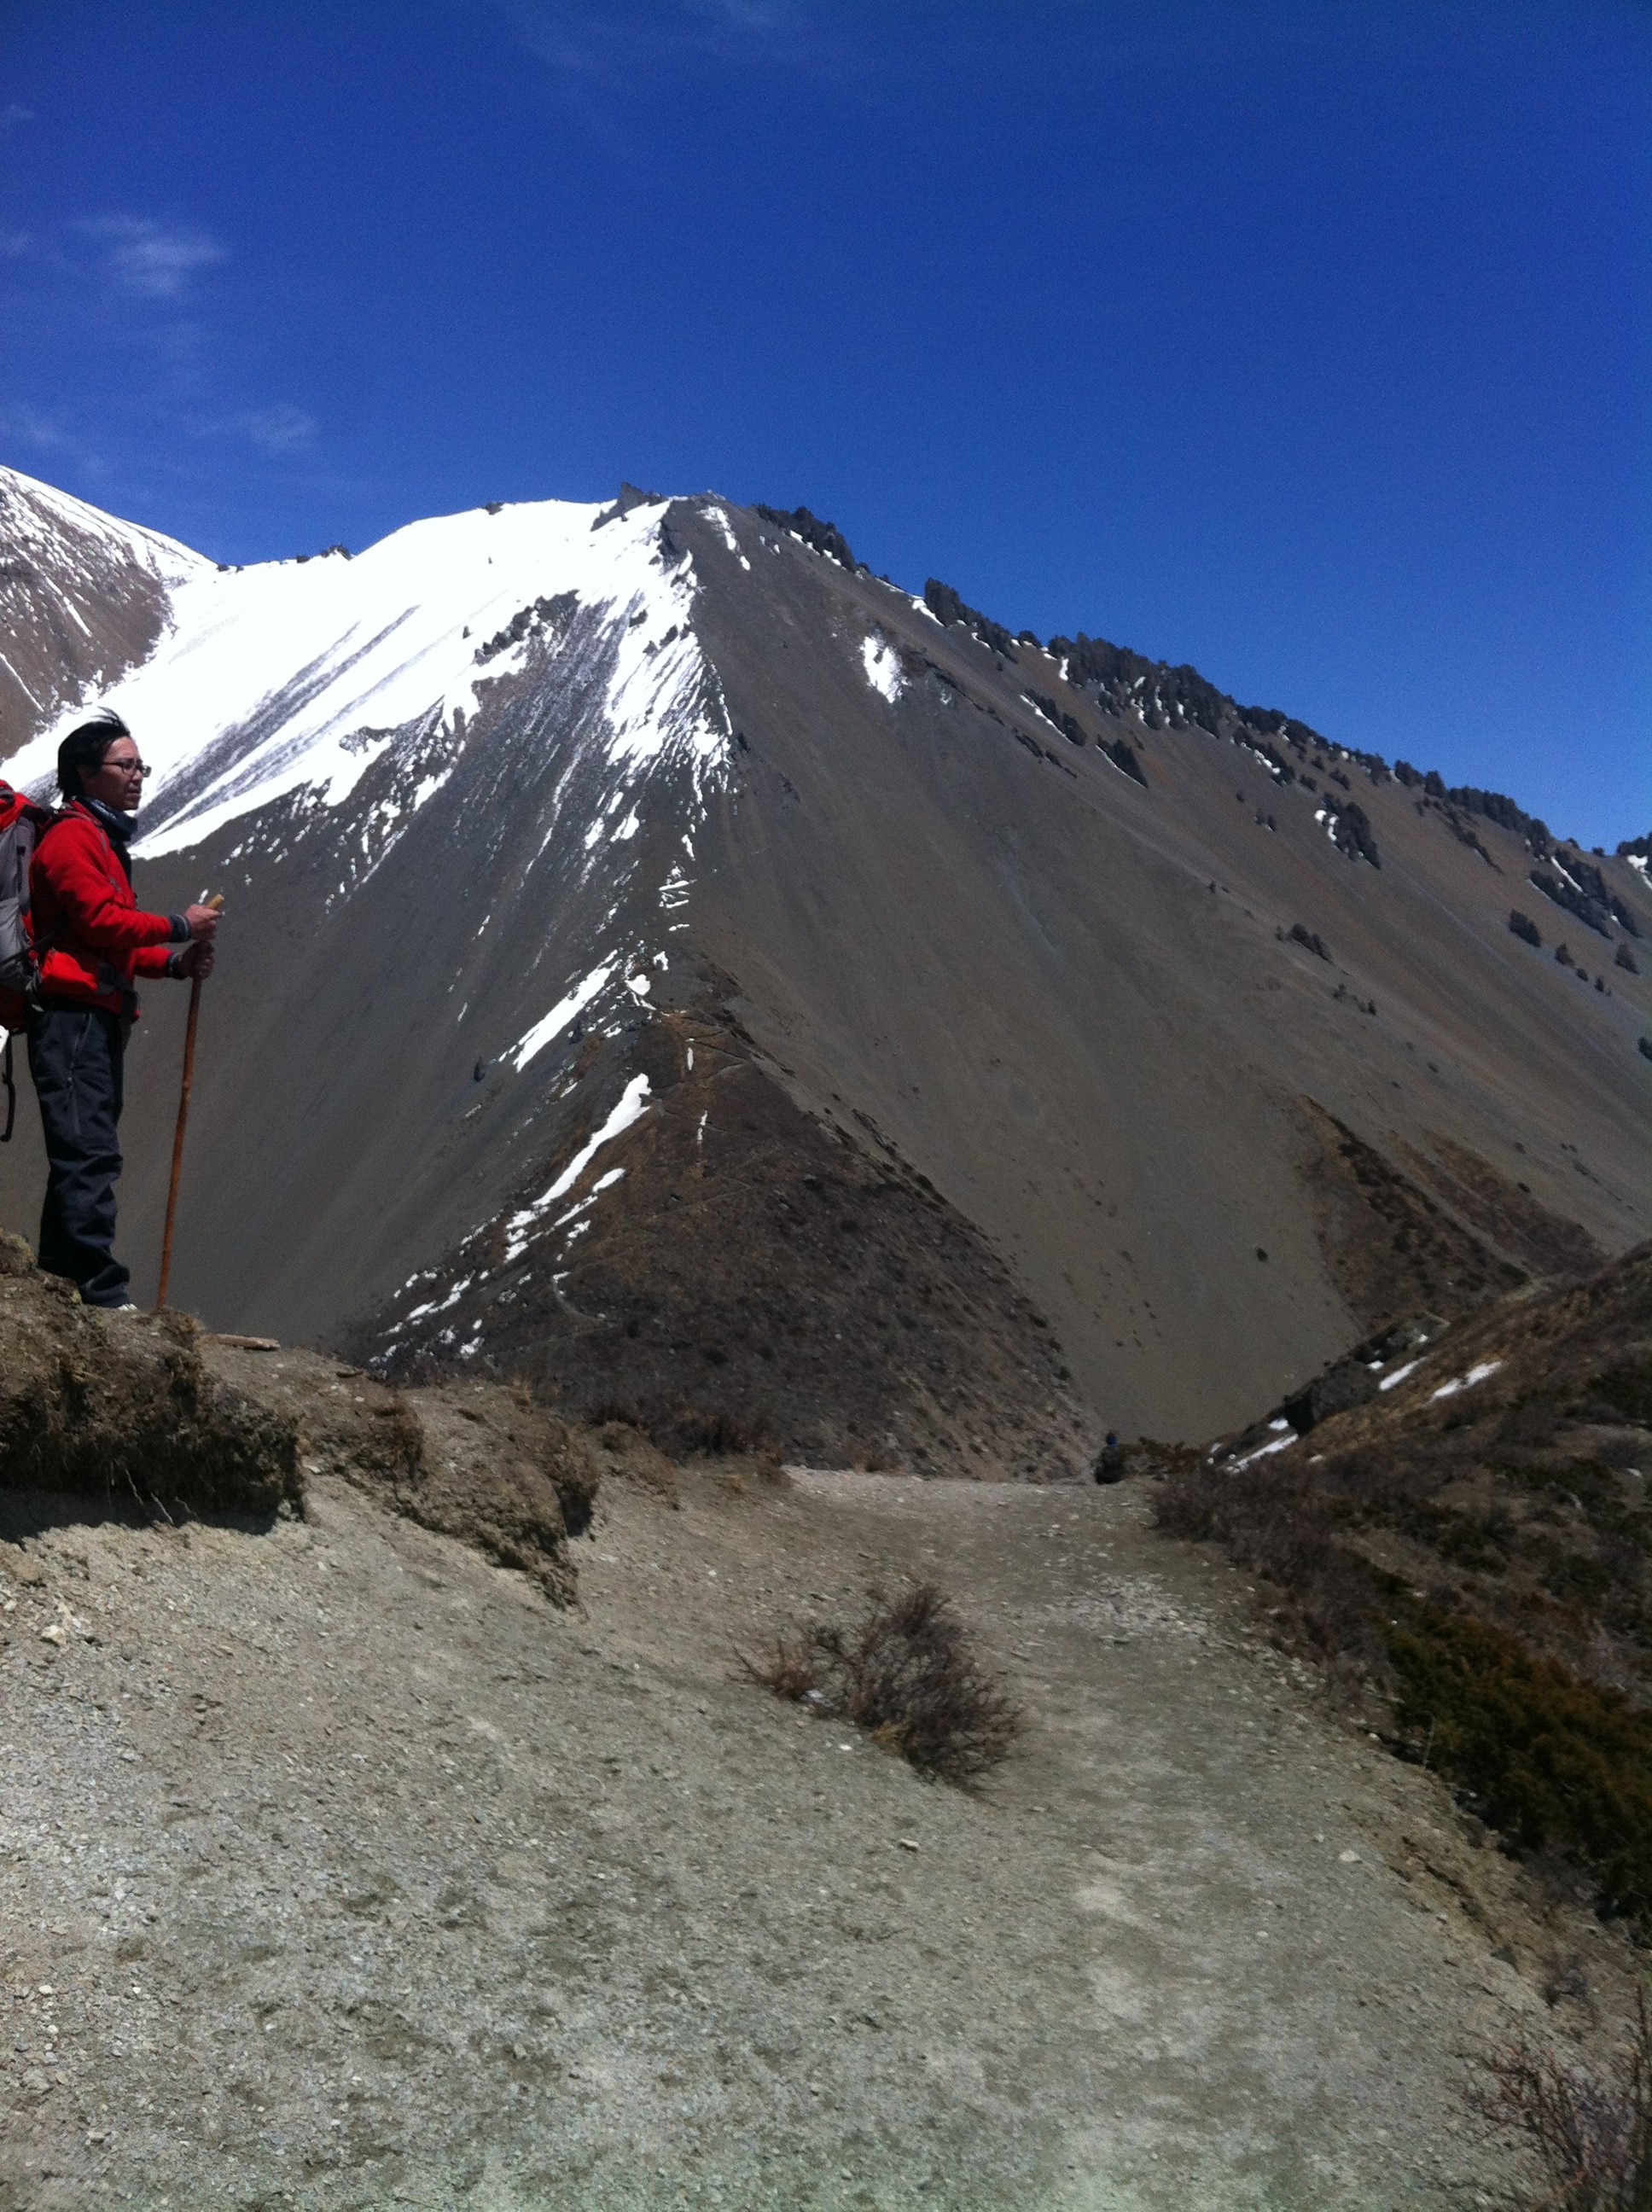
(878, 1459)
(1551, 1760)
(1275, 1523)
(905, 1672)
(720, 1434)
(1591, 2137)
(612, 1412)
(683, 1431)
(793, 1671)
(1154, 1458)
(1565, 1980)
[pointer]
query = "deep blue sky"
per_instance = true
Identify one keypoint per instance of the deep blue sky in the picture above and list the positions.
(1308, 343)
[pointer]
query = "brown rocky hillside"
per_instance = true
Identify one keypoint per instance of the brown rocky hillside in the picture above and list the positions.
(1456, 1517)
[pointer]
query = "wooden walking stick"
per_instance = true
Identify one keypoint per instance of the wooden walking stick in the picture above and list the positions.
(183, 1118)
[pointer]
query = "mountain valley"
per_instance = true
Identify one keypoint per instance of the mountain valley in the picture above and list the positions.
(732, 1076)
(667, 961)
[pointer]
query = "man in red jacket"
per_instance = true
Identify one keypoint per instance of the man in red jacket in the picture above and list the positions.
(92, 941)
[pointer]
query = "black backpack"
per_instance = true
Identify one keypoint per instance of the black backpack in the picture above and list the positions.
(21, 824)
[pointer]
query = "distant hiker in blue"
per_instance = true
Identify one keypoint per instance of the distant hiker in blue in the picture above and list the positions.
(1110, 1468)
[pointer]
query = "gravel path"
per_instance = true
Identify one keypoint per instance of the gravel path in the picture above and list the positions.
(337, 1870)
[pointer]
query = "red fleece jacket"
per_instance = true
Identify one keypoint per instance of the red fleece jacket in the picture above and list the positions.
(90, 937)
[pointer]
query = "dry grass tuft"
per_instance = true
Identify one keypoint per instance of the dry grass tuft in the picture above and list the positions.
(718, 1433)
(792, 1673)
(905, 1672)
(1591, 2138)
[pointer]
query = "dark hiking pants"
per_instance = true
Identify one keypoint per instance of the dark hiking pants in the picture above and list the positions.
(74, 1057)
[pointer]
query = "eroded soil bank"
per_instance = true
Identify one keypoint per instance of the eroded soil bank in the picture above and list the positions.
(338, 1868)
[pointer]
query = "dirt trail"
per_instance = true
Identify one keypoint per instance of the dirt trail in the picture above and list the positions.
(360, 1877)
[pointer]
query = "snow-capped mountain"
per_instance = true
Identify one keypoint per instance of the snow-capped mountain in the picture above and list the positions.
(299, 675)
(665, 959)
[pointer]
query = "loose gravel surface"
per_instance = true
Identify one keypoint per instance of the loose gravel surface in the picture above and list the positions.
(337, 1868)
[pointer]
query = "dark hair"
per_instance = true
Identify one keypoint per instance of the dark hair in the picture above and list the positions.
(83, 750)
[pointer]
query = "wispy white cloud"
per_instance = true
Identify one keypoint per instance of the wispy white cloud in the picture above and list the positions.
(39, 431)
(758, 18)
(595, 53)
(30, 426)
(280, 429)
(583, 41)
(13, 116)
(150, 260)
(127, 298)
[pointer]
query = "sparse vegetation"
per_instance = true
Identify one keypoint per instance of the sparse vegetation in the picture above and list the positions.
(1548, 1759)
(1590, 2136)
(1350, 833)
(1590, 908)
(905, 1674)
(603, 1412)
(1124, 681)
(720, 1433)
(1480, 1568)
(715, 1431)
(1275, 1525)
(1554, 1762)
(1494, 805)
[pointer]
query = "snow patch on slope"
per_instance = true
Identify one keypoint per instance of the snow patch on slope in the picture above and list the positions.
(1469, 1381)
(633, 1105)
(553, 1024)
(882, 666)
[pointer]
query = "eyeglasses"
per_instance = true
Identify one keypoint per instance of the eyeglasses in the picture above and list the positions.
(129, 768)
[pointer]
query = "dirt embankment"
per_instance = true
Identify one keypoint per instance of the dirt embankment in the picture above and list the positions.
(146, 1414)
(124, 1408)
